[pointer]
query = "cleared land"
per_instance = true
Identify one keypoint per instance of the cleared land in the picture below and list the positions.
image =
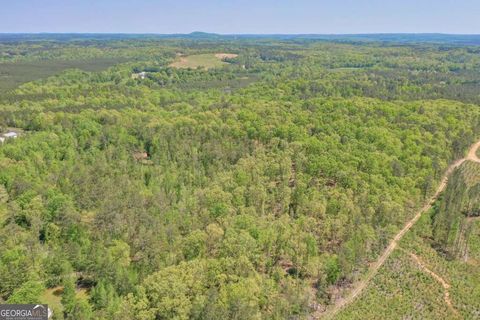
(207, 60)
(361, 285)
(403, 289)
(53, 297)
(399, 291)
(437, 277)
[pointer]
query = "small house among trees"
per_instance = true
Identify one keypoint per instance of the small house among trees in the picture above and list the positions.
(141, 75)
(8, 135)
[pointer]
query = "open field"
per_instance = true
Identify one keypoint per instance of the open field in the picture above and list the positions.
(207, 60)
(14, 74)
(53, 297)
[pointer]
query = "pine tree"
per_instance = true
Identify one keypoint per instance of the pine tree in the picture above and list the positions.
(68, 296)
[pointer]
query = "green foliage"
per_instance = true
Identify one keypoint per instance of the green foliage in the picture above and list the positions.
(453, 214)
(68, 296)
(14, 74)
(81, 310)
(203, 289)
(29, 292)
(403, 289)
(233, 192)
(332, 269)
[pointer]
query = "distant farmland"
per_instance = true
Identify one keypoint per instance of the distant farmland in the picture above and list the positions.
(14, 74)
(207, 60)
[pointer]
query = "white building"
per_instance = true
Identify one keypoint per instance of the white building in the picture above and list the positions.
(10, 134)
(141, 75)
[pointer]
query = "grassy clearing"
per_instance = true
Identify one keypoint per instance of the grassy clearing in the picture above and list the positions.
(207, 61)
(53, 297)
(14, 74)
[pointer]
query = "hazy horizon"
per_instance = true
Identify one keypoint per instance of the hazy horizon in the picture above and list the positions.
(241, 17)
(248, 34)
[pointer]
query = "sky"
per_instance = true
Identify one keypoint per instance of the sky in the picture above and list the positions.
(241, 16)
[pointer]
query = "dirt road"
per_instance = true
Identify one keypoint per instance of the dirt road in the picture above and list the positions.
(361, 285)
(445, 285)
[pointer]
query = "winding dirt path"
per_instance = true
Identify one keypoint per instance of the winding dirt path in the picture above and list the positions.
(445, 285)
(361, 285)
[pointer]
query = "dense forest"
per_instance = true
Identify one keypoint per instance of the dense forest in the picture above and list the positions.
(457, 210)
(255, 188)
